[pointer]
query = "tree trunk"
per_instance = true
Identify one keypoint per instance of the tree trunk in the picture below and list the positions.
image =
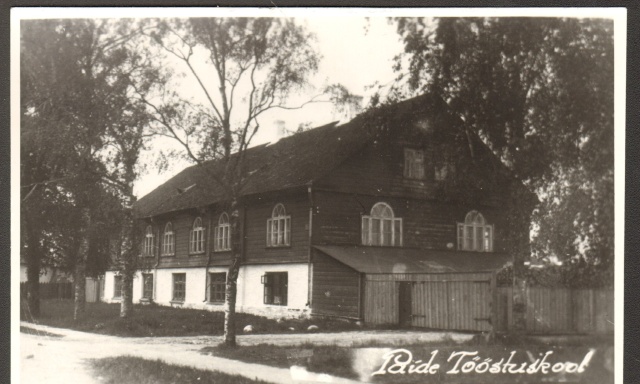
(80, 291)
(33, 282)
(129, 256)
(126, 305)
(232, 278)
(230, 303)
(80, 275)
(33, 256)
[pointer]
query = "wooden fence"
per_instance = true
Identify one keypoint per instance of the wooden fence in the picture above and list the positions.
(51, 290)
(558, 310)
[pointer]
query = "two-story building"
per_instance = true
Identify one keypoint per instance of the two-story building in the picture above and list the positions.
(369, 220)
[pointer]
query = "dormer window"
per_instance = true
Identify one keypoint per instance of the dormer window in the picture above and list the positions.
(475, 234)
(382, 228)
(413, 163)
(196, 244)
(168, 240)
(279, 228)
(147, 246)
(223, 234)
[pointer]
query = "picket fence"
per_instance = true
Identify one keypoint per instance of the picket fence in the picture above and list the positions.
(558, 310)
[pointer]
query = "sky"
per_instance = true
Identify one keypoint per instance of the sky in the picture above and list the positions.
(356, 52)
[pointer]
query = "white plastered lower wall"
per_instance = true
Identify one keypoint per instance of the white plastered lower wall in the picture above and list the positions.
(250, 289)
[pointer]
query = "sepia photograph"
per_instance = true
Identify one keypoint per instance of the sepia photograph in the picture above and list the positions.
(319, 195)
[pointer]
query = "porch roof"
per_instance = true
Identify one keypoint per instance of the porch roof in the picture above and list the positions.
(378, 260)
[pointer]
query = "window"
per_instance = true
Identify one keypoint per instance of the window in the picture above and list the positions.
(147, 247)
(168, 241)
(147, 286)
(223, 234)
(278, 228)
(197, 237)
(475, 234)
(275, 288)
(179, 286)
(381, 227)
(217, 287)
(413, 163)
(117, 286)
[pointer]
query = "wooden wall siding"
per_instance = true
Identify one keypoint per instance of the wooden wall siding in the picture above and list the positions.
(256, 231)
(379, 169)
(381, 302)
(427, 224)
(559, 310)
(335, 288)
(439, 301)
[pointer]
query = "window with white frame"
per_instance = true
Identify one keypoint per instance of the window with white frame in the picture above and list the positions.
(217, 287)
(276, 287)
(147, 246)
(179, 286)
(196, 243)
(279, 228)
(413, 163)
(147, 286)
(381, 227)
(168, 240)
(475, 234)
(117, 286)
(223, 234)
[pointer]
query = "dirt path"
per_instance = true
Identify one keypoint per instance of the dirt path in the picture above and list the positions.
(51, 360)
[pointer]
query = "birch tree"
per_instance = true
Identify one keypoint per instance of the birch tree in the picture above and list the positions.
(253, 65)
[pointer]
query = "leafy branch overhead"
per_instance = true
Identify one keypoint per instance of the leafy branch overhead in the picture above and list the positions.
(539, 92)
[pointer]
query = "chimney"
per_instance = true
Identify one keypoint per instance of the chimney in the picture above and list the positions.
(281, 130)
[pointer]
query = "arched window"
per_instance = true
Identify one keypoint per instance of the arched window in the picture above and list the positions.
(168, 240)
(381, 227)
(223, 234)
(147, 247)
(196, 244)
(475, 234)
(278, 228)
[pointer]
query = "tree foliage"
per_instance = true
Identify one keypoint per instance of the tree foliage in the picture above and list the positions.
(81, 132)
(539, 92)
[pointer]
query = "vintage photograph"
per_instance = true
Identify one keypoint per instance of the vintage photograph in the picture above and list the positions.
(317, 195)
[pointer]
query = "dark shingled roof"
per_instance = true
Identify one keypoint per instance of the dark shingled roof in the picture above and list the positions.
(290, 162)
(403, 260)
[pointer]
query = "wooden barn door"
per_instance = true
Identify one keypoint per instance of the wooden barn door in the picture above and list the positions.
(452, 304)
(405, 304)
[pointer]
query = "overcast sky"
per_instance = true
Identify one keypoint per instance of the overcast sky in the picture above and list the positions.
(356, 52)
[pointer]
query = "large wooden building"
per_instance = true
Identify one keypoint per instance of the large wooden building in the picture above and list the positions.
(394, 217)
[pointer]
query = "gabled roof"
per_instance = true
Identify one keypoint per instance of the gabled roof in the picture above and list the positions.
(291, 162)
(376, 260)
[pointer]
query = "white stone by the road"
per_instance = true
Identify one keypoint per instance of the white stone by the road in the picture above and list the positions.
(312, 328)
(248, 329)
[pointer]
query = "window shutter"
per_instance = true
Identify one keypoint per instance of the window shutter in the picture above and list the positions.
(397, 232)
(365, 230)
(269, 232)
(460, 236)
(287, 230)
(488, 238)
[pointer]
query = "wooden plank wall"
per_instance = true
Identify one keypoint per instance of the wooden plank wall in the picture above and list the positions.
(427, 224)
(439, 301)
(559, 310)
(335, 288)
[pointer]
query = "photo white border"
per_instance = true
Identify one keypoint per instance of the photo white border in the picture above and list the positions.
(618, 15)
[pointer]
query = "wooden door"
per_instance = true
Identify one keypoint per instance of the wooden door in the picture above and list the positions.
(404, 304)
